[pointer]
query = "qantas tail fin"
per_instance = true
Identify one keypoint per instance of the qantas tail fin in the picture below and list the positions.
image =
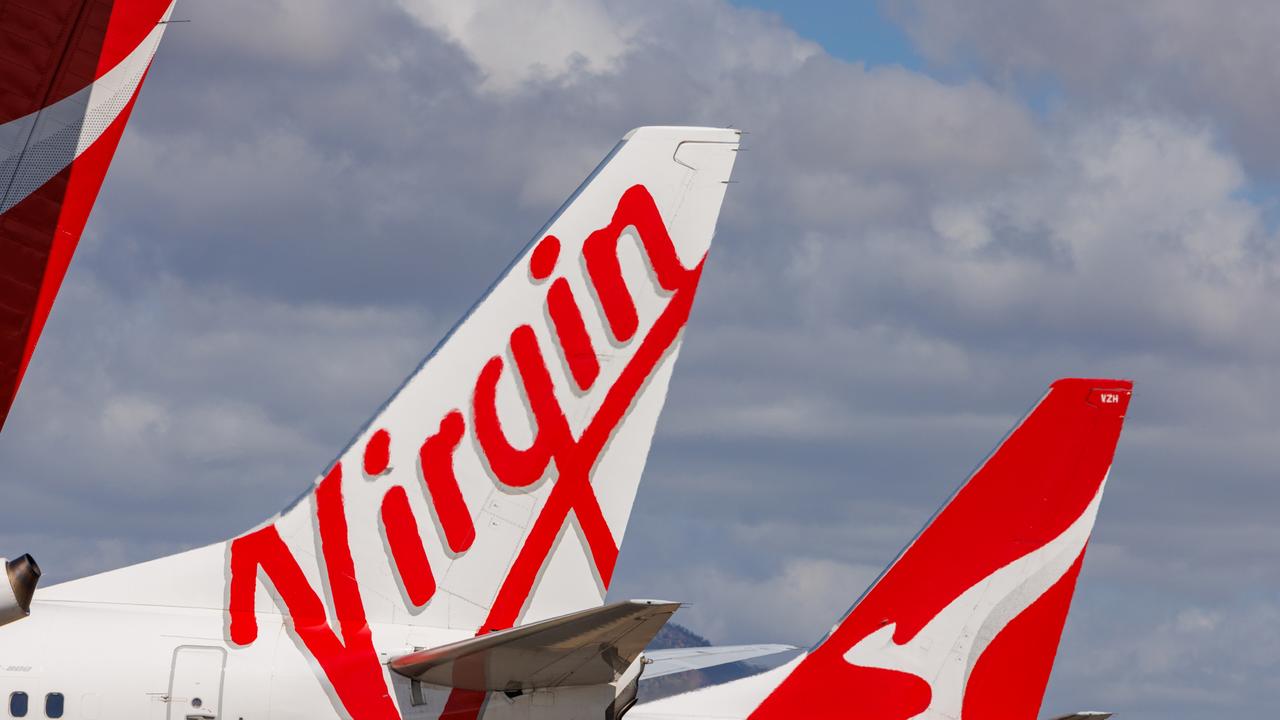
(70, 71)
(966, 621)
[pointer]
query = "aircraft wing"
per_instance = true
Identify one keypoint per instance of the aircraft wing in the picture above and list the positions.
(1085, 716)
(677, 660)
(589, 647)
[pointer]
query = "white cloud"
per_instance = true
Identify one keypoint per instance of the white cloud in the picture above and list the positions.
(1090, 241)
(198, 413)
(514, 43)
(1205, 60)
(797, 604)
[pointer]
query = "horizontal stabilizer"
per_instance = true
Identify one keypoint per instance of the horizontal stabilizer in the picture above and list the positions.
(677, 660)
(590, 647)
(1085, 716)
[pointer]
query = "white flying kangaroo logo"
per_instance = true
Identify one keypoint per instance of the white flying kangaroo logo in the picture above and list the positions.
(35, 147)
(944, 652)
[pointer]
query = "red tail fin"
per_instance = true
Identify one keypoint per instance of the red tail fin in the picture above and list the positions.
(966, 622)
(70, 71)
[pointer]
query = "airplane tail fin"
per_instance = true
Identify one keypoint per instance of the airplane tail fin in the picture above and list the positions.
(70, 71)
(495, 485)
(966, 621)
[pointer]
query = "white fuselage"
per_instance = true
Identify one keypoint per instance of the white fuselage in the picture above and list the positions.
(137, 662)
(153, 663)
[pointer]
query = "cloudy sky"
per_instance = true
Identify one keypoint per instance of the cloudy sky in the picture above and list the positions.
(943, 206)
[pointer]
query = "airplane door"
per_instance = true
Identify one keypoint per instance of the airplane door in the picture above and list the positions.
(195, 687)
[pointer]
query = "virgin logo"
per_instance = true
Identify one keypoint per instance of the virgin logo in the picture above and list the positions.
(348, 661)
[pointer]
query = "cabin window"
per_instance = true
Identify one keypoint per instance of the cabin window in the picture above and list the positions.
(18, 704)
(53, 705)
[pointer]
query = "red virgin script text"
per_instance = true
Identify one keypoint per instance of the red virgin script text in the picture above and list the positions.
(348, 661)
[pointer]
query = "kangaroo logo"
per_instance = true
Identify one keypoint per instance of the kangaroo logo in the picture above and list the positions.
(943, 653)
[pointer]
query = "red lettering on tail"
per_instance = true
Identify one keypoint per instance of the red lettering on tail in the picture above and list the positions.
(442, 485)
(406, 547)
(635, 209)
(575, 460)
(543, 259)
(350, 664)
(572, 489)
(377, 454)
(575, 343)
(510, 465)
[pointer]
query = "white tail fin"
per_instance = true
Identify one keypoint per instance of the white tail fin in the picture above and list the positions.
(500, 477)
(70, 73)
(495, 485)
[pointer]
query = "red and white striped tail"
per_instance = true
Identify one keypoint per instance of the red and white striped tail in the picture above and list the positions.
(70, 72)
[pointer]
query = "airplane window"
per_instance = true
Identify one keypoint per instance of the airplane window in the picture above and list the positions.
(18, 704)
(53, 705)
